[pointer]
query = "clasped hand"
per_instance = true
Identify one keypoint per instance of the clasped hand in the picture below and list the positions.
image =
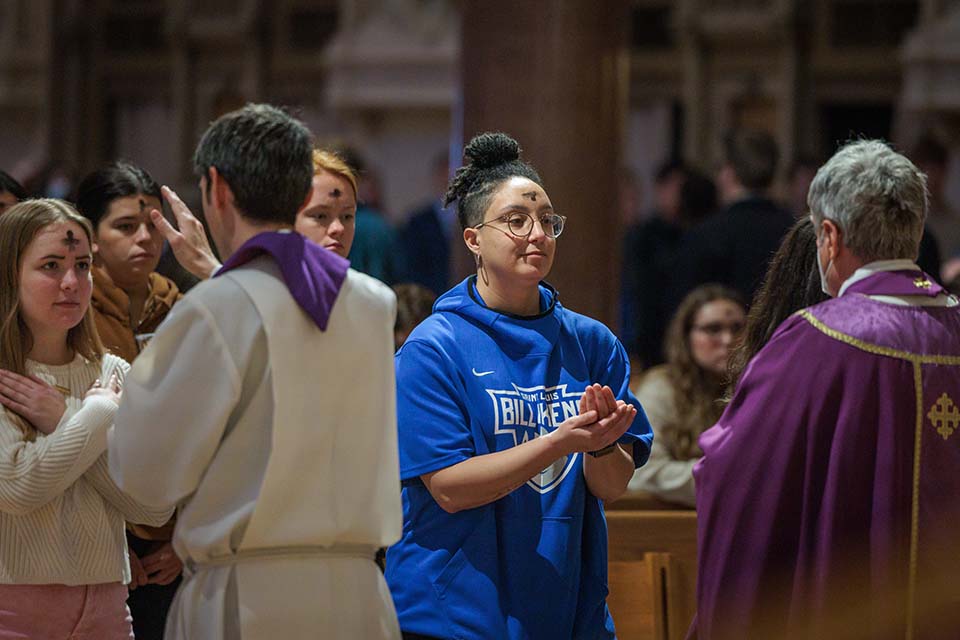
(41, 404)
(602, 421)
(160, 566)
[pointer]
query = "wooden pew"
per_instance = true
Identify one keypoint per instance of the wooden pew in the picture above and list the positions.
(652, 567)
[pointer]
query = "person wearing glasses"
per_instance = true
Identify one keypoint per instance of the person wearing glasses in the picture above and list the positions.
(516, 422)
(682, 397)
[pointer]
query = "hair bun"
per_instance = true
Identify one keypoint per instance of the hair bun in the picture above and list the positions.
(491, 149)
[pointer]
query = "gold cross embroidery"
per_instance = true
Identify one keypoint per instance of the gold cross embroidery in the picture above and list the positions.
(922, 283)
(945, 416)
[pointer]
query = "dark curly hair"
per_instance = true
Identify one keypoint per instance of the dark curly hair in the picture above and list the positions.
(491, 159)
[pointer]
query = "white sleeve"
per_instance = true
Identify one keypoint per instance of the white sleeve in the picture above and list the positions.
(33, 472)
(663, 476)
(666, 478)
(176, 402)
(132, 511)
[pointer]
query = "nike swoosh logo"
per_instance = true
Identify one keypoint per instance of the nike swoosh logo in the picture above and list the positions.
(480, 374)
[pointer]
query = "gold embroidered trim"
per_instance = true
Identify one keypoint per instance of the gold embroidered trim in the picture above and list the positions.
(876, 348)
(915, 501)
(918, 360)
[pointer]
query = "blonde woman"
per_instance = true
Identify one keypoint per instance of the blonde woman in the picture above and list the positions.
(63, 554)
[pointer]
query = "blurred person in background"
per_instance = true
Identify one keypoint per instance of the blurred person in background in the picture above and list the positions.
(649, 248)
(376, 250)
(414, 304)
(427, 236)
(943, 220)
(683, 398)
(11, 192)
(799, 177)
(130, 300)
(734, 246)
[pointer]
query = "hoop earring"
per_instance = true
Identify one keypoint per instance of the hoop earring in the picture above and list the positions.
(480, 269)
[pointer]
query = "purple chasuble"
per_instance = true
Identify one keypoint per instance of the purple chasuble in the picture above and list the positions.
(828, 497)
(312, 274)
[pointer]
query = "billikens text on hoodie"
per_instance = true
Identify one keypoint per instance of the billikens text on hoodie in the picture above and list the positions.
(473, 381)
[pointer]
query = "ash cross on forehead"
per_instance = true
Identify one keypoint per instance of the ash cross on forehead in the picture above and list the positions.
(143, 205)
(336, 193)
(530, 194)
(70, 241)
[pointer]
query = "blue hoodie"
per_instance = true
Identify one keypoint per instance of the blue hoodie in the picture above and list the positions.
(533, 564)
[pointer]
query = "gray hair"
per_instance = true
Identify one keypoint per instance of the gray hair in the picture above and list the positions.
(876, 196)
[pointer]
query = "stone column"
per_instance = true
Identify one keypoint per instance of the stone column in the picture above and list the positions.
(554, 75)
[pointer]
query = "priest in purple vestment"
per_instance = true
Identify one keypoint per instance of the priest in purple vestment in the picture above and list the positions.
(828, 493)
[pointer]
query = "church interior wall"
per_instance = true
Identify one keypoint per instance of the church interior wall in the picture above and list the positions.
(696, 68)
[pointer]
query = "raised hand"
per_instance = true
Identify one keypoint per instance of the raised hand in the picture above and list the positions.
(600, 399)
(189, 243)
(33, 400)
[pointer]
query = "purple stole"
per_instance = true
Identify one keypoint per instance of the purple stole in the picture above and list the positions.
(312, 274)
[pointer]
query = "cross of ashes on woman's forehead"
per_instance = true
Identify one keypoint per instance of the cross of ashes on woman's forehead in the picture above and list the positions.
(70, 241)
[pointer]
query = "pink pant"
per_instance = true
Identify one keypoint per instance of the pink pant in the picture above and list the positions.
(59, 612)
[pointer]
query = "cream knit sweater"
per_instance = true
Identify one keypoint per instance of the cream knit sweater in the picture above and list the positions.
(61, 516)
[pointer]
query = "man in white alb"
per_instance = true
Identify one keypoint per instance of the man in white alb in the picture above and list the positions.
(264, 409)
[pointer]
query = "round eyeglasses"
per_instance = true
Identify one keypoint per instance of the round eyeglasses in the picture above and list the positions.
(520, 224)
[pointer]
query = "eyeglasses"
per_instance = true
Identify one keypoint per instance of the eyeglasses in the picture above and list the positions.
(716, 329)
(520, 224)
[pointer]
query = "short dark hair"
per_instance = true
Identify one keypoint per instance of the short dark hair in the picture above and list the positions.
(492, 158)
(753, 155)
(11, 186)
(265, 156)
(115, 180)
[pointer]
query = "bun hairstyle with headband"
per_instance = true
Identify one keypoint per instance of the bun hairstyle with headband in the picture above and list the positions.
(492, 158)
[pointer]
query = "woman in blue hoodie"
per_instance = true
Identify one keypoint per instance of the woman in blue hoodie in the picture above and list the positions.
(516, 422)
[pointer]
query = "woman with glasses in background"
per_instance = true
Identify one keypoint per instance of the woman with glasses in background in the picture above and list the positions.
(684, 397)
(515, 420)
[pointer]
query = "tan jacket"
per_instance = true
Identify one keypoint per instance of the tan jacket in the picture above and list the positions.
(111, 312)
